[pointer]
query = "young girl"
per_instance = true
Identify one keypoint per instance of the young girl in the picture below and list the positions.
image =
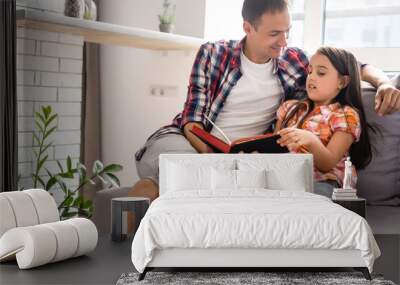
(331, 122)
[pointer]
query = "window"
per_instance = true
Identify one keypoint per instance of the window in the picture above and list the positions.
(362, 23)
(368, 28)
(297, 30)
(224, 21)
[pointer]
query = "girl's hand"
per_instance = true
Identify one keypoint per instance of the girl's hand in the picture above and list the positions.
(294, 138)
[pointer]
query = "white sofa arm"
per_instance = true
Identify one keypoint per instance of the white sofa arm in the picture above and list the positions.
(40, 244)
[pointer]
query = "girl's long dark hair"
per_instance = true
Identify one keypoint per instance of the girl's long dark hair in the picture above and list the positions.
(346, 65)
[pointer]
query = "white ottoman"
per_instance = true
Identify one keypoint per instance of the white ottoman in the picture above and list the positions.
(31, 232)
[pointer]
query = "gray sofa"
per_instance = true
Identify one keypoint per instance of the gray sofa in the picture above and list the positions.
(379, 183)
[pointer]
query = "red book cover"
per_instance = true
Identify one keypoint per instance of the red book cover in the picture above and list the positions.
(261, 143)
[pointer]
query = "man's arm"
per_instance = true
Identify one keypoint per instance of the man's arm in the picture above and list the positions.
(387, 99)
(198, 99)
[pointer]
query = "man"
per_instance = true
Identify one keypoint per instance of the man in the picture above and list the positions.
(239, 85)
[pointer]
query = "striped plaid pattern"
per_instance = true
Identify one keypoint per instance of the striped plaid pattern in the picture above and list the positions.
(323, 122)
(215, 71)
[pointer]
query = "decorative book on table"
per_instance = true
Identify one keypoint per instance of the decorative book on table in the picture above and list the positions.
(344, 194)
(261, 143)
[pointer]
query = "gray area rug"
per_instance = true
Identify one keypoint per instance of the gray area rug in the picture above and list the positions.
(273, 278)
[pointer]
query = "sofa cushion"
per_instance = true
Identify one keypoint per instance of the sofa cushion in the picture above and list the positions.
(379, 182)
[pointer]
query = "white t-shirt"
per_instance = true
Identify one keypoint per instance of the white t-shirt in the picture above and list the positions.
(251, 106)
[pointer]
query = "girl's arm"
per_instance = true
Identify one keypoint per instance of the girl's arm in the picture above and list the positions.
(325, 157)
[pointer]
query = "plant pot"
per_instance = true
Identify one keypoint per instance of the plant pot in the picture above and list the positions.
(90, 10)
(74, 8)
(166, 28)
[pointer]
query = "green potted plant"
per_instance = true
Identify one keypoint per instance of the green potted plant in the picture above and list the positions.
(73, 203)
(167, 17)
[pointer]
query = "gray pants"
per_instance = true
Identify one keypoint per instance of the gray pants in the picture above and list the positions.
(325, 188)
(147, 166)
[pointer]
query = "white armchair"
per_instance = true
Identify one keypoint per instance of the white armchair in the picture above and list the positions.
(31, 231)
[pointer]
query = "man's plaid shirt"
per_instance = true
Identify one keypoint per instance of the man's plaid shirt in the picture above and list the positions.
(215, 71)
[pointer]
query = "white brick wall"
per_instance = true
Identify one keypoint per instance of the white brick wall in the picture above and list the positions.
(25, 169)
(54, 6)
(25, 46)
(62, 109)
(69, 123)
(49, 72)
(52, 166)
(61, 50)
(71, 65)
(26, 124)
(70, 39)
(25, 139)
(36, 93)
(37, 35)
(25, 154)
(25, 108)
(66, 137)
(62, 151)
(25, 77)
(69, 95)
(28, 62)
(61, 79)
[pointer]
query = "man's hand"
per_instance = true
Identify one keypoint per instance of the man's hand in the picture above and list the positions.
(195, 141)
(387, 99)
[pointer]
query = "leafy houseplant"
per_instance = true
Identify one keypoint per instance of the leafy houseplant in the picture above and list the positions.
(167, 17)
(73, 203)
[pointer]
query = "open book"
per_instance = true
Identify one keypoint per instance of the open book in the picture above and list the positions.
(261, 143)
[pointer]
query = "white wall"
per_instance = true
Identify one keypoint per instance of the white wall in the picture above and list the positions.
(129, 113)
(49, 72)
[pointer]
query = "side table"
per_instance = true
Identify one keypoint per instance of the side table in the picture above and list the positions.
(137, 205)
(357, 205)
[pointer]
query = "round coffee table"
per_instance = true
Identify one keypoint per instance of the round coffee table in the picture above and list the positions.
(137, 205)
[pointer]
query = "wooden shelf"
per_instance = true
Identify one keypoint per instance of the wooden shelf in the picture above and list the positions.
(105, 33)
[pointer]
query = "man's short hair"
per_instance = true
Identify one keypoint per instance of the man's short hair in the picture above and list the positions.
(252, 10)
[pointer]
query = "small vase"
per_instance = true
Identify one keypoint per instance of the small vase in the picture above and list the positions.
(90, 10)
(166, 28)
(74, 8)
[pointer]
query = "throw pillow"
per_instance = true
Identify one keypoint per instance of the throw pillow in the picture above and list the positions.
(251, 178)
(223, 179)
(182, 177)
(237, 179)
(283, 172)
